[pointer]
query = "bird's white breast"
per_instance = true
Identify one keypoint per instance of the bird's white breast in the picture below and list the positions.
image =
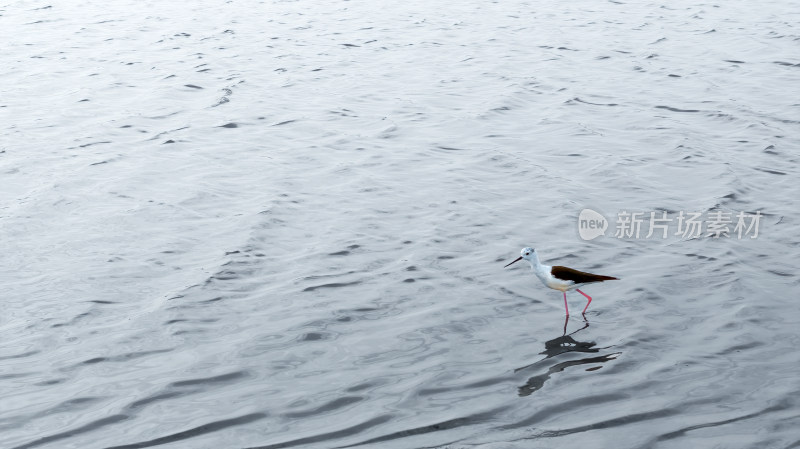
(551, 281)
(557, 284)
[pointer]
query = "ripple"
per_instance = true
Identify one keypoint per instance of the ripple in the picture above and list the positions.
(437, 427)
(669, 108)
(86, 428)
(205, 381)
(328, 436)
(331, 285)
(210, 427)
(334, 405)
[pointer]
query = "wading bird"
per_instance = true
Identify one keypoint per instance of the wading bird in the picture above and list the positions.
(561, 278)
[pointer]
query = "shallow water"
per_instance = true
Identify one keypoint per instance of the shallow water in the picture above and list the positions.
(283, 224)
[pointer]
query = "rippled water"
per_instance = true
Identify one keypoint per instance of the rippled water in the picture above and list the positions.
(283, 224)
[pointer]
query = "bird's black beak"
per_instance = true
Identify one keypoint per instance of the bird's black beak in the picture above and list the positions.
(515, 260)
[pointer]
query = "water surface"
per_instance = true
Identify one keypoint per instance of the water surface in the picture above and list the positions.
(283, 224)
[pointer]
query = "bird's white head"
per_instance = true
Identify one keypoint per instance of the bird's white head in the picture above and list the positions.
(526, 253)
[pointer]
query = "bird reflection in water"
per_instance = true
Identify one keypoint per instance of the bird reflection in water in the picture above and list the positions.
(560, 345)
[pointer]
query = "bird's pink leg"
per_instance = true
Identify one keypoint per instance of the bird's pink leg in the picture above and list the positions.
(565, 303)
(587, 304)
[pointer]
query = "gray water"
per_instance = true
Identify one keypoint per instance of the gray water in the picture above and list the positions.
(284, 224)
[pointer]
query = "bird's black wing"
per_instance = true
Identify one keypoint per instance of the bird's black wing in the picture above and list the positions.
(578, 277)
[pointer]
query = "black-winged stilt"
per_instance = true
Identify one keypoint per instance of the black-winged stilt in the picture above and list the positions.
(561, 278)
